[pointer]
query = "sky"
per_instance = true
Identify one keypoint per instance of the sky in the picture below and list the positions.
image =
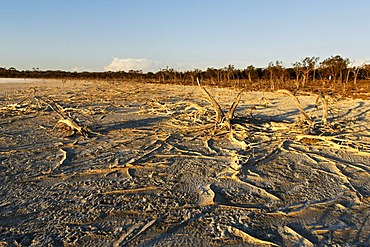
(149, 35)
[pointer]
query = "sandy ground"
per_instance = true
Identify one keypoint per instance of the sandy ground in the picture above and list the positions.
(155, 169)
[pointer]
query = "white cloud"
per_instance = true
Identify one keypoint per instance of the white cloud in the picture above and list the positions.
(146, 65)
(359, 62)
(81, 69)
(126, 64)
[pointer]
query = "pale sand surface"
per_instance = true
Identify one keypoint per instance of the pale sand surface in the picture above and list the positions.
(156, 171)
(12, 84)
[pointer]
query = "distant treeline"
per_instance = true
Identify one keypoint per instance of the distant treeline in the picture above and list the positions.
(305, 73)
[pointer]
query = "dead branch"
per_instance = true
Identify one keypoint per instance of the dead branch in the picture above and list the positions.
(298, 104)
(130, 235)
(71, 123)
(325, 107)
(219, 113)
(82, 130)
(231, 112)
(221, 119)
(249, 238)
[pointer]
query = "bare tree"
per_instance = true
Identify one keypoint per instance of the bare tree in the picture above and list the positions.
(335, 66)
(308, 66)
(298, 67)
(355, 70)
(250, 69)
(276, 71)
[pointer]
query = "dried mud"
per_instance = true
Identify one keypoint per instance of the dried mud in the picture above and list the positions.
(154, 169)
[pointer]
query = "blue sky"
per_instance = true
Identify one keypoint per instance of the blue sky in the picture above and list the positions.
(102, 35)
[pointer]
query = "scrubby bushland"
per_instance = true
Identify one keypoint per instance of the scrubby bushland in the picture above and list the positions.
(334, 74)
